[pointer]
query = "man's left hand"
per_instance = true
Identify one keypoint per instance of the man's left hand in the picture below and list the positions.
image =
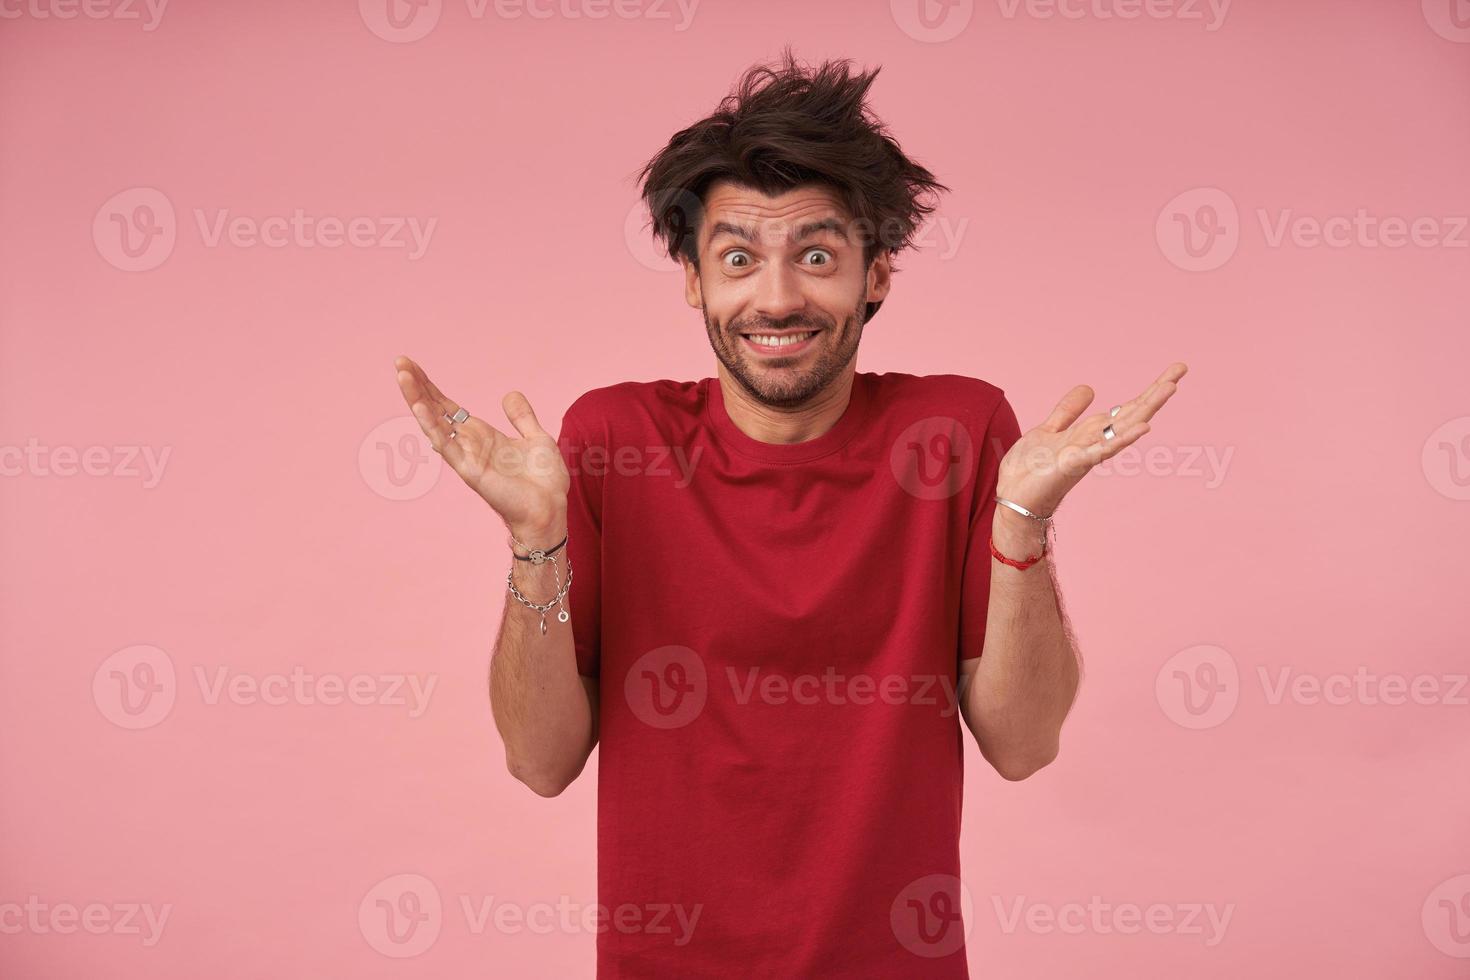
(1052, 458)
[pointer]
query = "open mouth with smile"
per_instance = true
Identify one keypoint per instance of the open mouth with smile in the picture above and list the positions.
(779, 343)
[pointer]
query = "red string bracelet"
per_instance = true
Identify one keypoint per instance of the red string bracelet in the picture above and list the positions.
(1022, 565)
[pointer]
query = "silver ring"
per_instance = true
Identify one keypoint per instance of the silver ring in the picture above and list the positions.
(1116, 409)
(460, 415)
(1108, 432)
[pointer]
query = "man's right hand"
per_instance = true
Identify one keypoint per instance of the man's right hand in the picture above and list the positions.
(524, 480)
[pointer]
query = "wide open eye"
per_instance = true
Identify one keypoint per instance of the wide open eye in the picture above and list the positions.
(825, 256)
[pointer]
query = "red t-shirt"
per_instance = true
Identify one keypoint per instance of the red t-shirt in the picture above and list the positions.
(777, 630)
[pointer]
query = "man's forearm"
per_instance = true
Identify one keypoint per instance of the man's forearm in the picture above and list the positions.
(1026, 678)
(543, 707)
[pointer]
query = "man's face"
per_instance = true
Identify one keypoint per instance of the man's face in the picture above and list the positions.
(783, 288)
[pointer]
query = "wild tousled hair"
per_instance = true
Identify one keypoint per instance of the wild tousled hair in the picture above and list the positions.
(783, 126)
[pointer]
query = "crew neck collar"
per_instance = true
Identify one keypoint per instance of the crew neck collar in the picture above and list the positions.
(787, 452)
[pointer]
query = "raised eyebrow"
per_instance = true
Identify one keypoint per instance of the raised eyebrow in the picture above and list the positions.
(726, 228)
(803, 232)
(826, 224)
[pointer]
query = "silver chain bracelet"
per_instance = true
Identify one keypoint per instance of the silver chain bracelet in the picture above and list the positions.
(1045, 522)
(539, 557)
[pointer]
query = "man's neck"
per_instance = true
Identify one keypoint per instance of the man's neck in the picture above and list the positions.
(784, 426)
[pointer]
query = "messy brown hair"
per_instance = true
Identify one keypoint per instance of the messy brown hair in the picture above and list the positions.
(782, 126)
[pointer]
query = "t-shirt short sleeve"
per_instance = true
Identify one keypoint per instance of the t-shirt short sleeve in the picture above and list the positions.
(1001, 433)
(584, 543)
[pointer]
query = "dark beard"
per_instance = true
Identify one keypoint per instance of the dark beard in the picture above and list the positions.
(835, 351)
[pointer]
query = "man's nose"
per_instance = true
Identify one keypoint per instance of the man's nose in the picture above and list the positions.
(779, 294)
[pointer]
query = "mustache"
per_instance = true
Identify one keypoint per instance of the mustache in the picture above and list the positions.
(773, 326)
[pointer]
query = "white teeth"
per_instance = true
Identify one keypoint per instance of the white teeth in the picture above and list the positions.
(765, 340)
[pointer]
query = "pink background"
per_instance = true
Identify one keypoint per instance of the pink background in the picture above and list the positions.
(1329, 379)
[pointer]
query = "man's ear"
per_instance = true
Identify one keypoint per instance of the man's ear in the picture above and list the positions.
(693, 293)
(880, 278)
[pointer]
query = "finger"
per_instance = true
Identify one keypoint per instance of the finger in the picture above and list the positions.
(409, 385)
(1124, 437)
(1155, 401)
(477, 442)
(518, 409)
(438, 430)
(430, 391)
(1174, 371)
(1142, 408)
(1149, 400)
(1073, 404)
